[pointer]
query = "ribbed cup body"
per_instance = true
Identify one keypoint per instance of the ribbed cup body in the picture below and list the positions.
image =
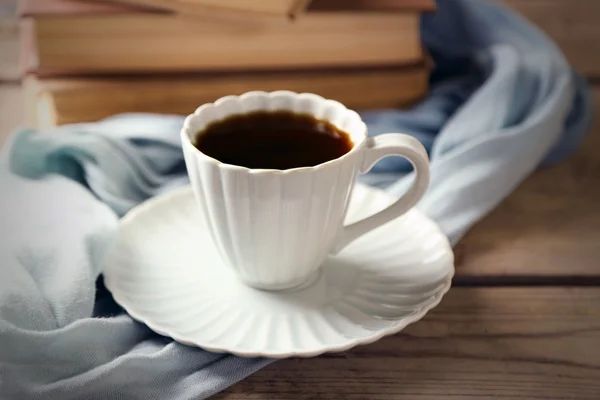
(274, 228)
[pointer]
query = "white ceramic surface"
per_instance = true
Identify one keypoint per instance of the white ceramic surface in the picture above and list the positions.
(257, 217)
(165, 271)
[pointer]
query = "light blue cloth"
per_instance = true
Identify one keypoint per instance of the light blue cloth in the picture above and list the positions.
(504, 101)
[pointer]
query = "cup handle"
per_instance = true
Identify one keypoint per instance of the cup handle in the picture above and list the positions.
(390, 144)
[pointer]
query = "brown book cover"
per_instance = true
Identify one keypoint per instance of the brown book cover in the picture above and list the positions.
(73, 7)
(225, 8)
(78, 40)
(79, 7)
(54, 102)
(280, 8)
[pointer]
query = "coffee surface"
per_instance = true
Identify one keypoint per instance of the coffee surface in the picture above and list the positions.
(273, 140)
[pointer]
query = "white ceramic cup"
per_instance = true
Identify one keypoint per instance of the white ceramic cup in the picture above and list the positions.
(276, 227)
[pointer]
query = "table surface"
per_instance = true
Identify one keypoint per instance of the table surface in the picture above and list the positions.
(523, 318)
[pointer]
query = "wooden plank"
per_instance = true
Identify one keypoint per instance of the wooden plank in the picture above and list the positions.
(548, 228)
(11, 109)
(514, 343)
(573, 24)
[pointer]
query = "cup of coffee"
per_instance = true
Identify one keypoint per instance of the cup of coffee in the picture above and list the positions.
(272, 173)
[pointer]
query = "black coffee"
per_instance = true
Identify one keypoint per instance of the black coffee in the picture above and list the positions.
(273, 140)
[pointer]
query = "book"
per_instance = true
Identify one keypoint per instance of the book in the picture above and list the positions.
(51, 102)
(76, 7)
(95, 40)
(279, 8)
(225, 8)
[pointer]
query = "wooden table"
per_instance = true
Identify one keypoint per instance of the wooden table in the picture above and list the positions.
(523, 319)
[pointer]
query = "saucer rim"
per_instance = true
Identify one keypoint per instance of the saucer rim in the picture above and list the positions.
(401, 325)
(394, 329)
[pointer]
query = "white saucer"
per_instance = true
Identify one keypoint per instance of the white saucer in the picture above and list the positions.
(165, 273)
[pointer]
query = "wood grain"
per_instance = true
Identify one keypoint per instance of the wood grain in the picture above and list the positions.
(483, 343)
(573, 24)
(548, 228)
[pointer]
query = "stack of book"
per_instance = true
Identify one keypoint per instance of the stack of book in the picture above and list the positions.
(85, 60)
